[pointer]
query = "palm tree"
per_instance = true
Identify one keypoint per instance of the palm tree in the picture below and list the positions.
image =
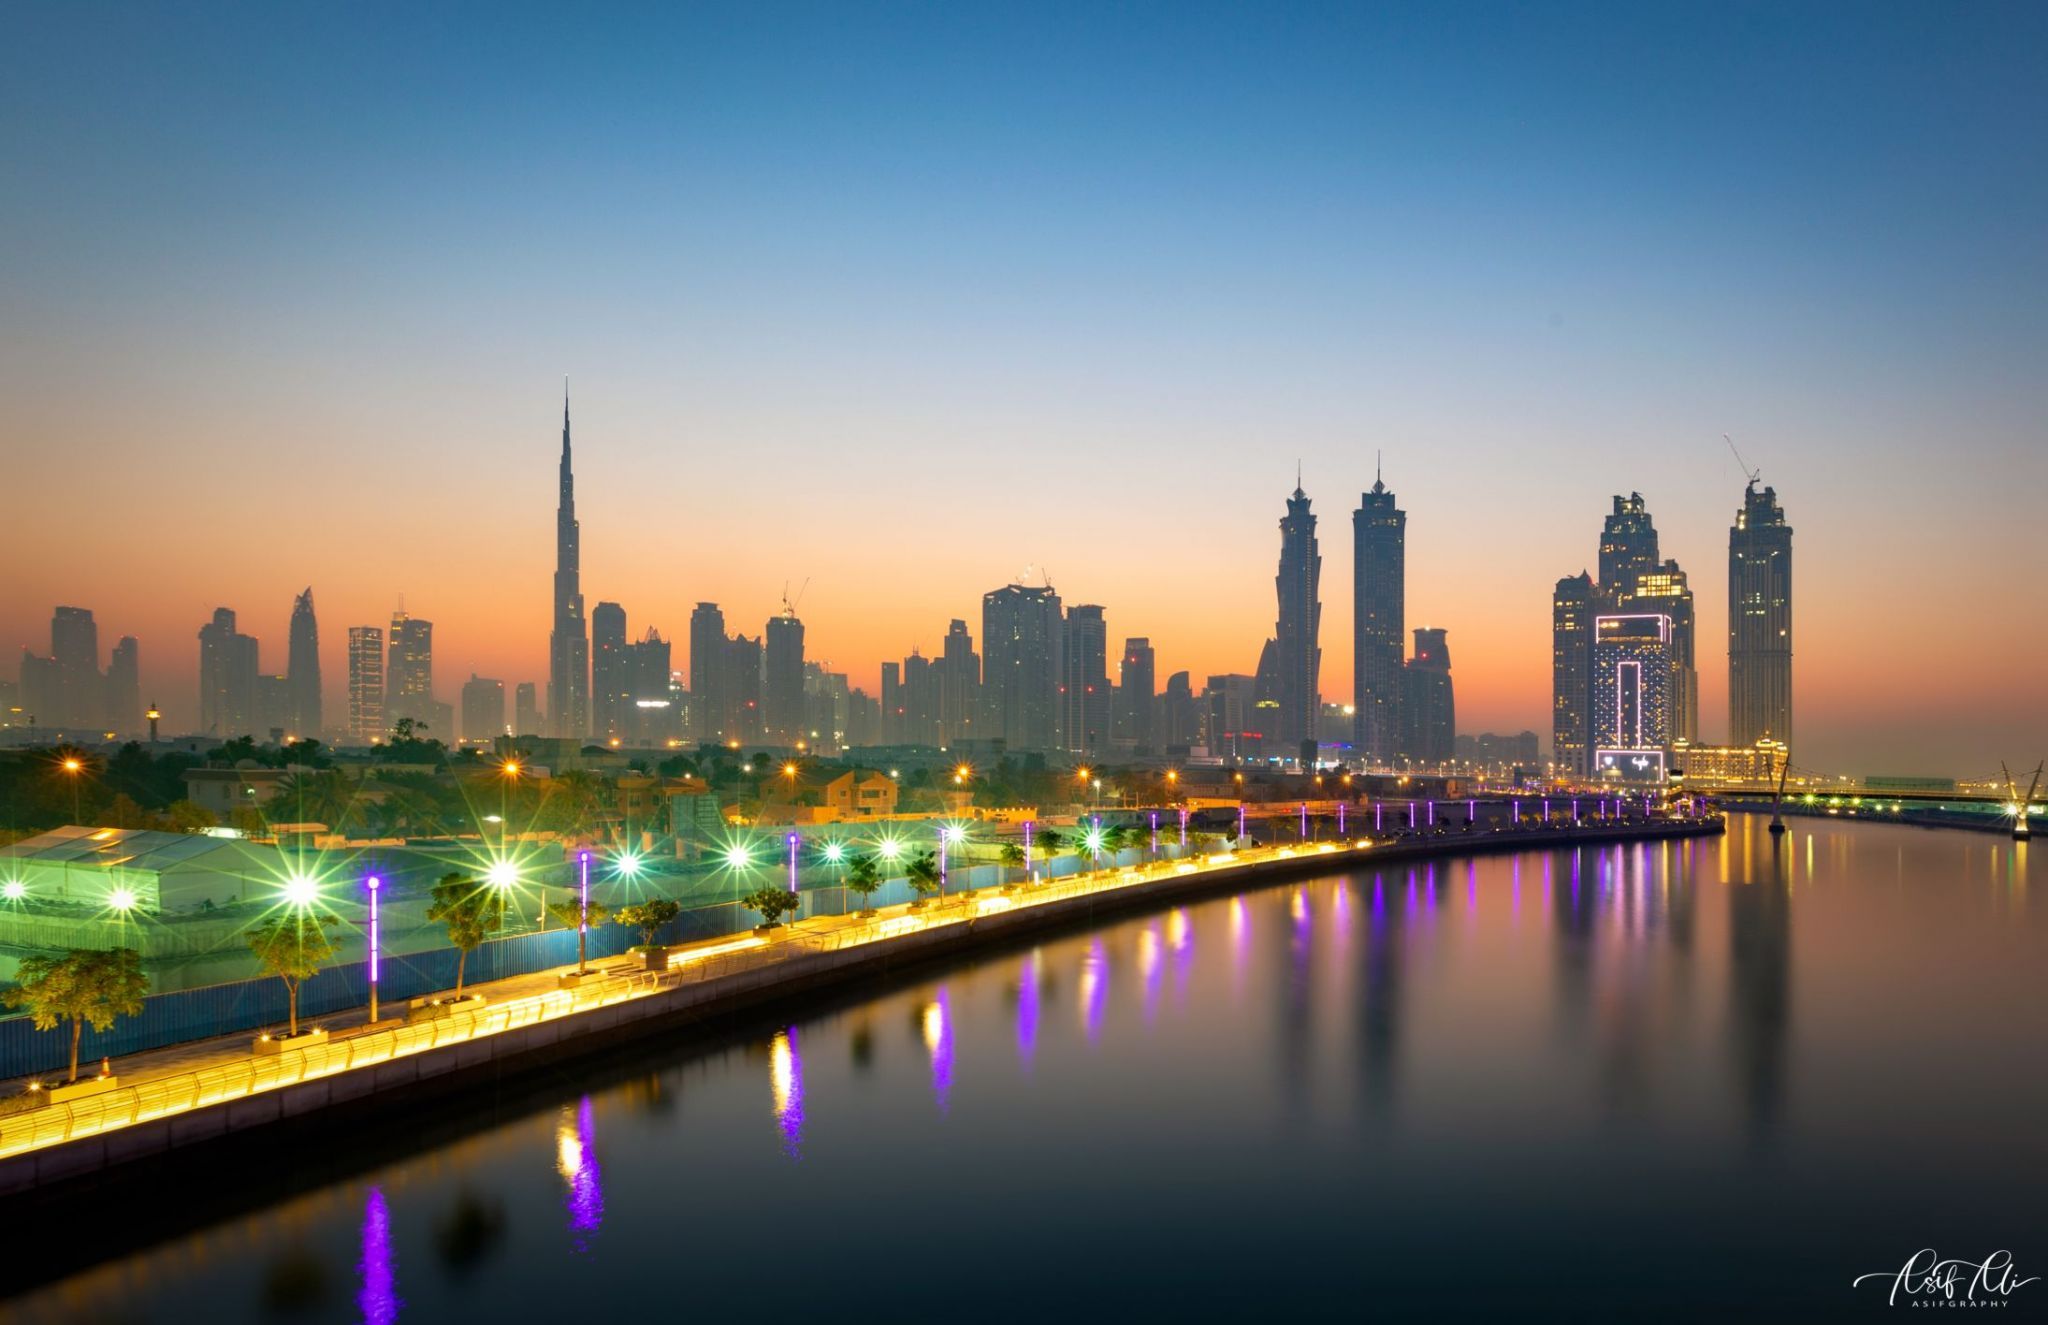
(1012, 855)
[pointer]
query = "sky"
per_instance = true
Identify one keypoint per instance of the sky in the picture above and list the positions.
(894, 302)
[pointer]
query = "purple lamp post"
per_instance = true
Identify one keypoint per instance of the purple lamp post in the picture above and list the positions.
(1027, 849)
(1155, 832)
(944, 836)
(1432, 814)
(1379, 810)
(1240, 821)
(1340, 818)
(582, 910)
(794, 842)
(1183, 828)
(373, 883)
(1304, 821)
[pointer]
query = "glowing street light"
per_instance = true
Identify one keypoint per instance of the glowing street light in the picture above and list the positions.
(501, 874)
(14, 890)
(74, 768)
(375, 885)
(890, 848)
(834, 853)
(122, 900)
(583, 905)
(627, 864)
(301, 891)
(738, 857)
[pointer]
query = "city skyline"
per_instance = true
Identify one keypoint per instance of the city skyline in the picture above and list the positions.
(1005, 330)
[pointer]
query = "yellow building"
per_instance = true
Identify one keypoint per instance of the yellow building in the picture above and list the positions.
(862, 794)
(1729, 765)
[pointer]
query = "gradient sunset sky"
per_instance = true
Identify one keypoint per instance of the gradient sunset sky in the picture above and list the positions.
(901, 300)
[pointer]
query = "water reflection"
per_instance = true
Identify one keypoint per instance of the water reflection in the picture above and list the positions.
(576, 1160)
(1094, 988)
(938, 1042)
(1505, 1050)
(377, 1298)
(786, 1082)
(1028, 982)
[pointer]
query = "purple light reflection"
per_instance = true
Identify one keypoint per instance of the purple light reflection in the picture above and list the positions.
(1027, 1008)
(378, 1298)
(576, 1157)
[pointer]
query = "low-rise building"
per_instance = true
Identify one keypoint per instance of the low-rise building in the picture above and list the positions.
(861, 794)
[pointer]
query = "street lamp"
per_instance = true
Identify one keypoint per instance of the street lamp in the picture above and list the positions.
(583, 907)
(374, 884)
(301, 891)
(74, 768)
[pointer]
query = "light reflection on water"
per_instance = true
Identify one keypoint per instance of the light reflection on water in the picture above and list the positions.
(1698, 1055)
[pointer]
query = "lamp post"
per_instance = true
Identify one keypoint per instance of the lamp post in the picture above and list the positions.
(1028, 873)
(74, 768)
(374, 884)
(794, 841)
(582, 907)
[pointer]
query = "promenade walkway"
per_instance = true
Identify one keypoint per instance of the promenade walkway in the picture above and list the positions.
(200, 1075)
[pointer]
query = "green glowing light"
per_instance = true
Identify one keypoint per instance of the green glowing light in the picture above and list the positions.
(14, 890)
(739, 858)
(502, 874)
(834, 852)
(890, 848)
(301, 890)
(121, 899)
(628, 864)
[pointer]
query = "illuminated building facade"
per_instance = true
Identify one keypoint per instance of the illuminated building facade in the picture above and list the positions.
(1760, 621)
(1757, 764)
(365, 685)
(1631, 702)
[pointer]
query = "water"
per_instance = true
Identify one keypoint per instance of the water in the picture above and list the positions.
(1687, 1080)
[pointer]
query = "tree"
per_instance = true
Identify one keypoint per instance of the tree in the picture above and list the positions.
(79, 987)
(189, 817)
(863, 878)
(1013, 855)
(649, 917)
(772, 903)
(924, 875)
(293, 947)
(583, 919)
(472, 912)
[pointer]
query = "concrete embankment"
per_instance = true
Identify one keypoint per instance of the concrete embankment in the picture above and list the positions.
(339, 1098)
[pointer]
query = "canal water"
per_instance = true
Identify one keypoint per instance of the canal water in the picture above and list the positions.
(1691, 1080)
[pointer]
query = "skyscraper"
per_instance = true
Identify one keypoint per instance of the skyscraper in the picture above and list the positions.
(609, 690)
(741, 677)
(783, 679)
(483, 710)
(1379, 533)
(707, 672)
(365, 685)
(526, 710)
(1429, 710)
(124, 687)
(1759, 621)
(959, 684)
(1084, 681)
(1628, 543)
(1179, 724)
(1631, 699)
(649, 706)
(1136, 687)
(1663, 588)
(409, 676)
(227, 678)
(568, 645)
(80, 699)
(892, 703)
(1020, 640)
(1573, 604)
(1297, 639)
(302, 670)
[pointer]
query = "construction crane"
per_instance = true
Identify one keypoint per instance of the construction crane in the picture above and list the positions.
(788, 603)
(1755, 476)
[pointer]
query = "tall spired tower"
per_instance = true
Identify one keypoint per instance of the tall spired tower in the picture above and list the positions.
(1297, 651)
(568, 713)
